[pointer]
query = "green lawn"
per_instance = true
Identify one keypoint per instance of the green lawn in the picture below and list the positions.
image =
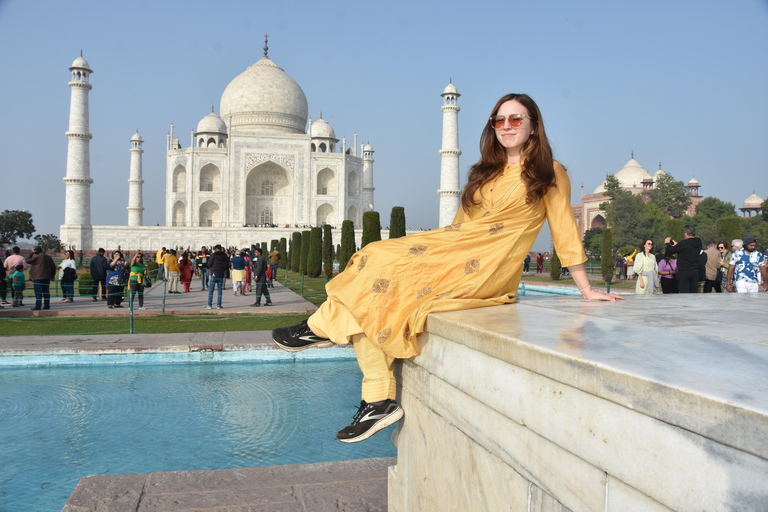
(149, 325)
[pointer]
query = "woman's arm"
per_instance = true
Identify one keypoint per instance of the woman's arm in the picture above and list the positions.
(582, 281)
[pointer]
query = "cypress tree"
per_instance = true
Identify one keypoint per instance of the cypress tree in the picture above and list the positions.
(347, 248)
(283, 253)
(264, 249)
(295, 251)
(336, 254)
(273, 245)
(606, 257)
(315, 256)
(555, 268)
(397, 222)
(728, 229)
(327, 251)
(304, 256)
(371, 228)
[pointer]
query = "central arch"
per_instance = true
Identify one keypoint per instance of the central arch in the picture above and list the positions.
(268, 188)
(210, 214)
(326, 214)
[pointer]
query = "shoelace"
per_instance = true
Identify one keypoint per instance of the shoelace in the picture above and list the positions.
(301, 329)
(360, 411)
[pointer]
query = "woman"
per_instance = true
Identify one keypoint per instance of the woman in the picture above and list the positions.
(248, 275)
(116, 280)
(723, 262)
(67, 276)
(381, 301)
(137, 278)
(185, 271)
(237, 264)
(667, 271)
(647, 270)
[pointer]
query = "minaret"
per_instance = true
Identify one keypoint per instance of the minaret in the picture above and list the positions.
(449, 191)
(368, 178)
(135, 208)
(77, 206)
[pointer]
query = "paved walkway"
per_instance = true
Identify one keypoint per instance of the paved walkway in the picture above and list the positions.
(192, 303)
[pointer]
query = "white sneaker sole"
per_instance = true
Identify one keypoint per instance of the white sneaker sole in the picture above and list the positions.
(379, 425)
(319, 344)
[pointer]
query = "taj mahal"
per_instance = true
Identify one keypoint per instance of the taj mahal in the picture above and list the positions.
(259, 170)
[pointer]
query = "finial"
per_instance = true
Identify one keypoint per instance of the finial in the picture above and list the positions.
(321, 114)
(633, 153)
(659, 164)
(212, 112)
(450, 80)
(81, 52)
(266, 48)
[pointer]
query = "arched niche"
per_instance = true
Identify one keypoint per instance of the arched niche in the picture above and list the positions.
(326, 182)
(353, 184)
(598, 222)
(210, 214)
(352, 215)
(179, 179)
(268, 186)
(210, 178)
(326, 214)
(178, 215)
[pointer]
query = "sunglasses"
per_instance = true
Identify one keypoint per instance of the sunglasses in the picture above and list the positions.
(515, 121)
(721, 247)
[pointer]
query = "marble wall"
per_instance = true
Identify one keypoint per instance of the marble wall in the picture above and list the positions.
(560, 404)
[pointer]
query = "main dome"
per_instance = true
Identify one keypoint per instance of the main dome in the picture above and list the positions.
(263, 98)
(630, 176)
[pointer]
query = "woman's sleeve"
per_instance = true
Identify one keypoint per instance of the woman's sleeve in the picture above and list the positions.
(562, 223)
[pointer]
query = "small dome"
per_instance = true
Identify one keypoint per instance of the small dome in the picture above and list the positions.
(658, 174)
(368, 147)
(211, 124)
(263, 98)
(753, 201)
(693, 182)
(450, 89)
(136, 137)
(81, 63)
(322, 129)
(629, 176)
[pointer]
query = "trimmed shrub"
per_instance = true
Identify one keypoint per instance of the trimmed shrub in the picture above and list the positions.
(85, 282)
(555, 267)
(347, 248)
(283, 253)
(371, 228)
(273, 244)
(675, 229)
(728, 229)
(304, 256)
(264, 251)
(152, 269)
(315, 256)
(327, 251)
(606, 257)
(397, 222)
(295, 250)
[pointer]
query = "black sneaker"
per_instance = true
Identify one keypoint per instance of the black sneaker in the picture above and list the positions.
(298, 337)
(369, 420)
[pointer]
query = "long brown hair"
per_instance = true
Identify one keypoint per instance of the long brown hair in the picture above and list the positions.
(538, 172)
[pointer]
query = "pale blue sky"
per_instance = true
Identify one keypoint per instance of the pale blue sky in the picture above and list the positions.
(684, 83)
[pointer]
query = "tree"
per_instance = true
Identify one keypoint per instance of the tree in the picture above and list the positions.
(347, 248)
(328, 251)
(555, 267)
(606, 258)
(710, 209)
(304, 256)
(589, 235)
(15, 224)
(283, 262)
(764, 208)
(612, 186)
(397, 222)
(49, 242)
(273, 245)
(315, 256)
(729, 228)
(670, 196)
(371, 228)
(596, 245)
(295, 251)
(674, 229)
(625, 216)
(264, 249)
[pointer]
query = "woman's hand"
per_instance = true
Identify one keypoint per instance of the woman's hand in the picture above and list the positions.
(642, 283)
(592, 294)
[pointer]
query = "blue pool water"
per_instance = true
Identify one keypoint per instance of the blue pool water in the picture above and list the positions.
(60, 424)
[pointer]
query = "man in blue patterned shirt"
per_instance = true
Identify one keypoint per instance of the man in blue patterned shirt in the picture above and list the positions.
(745, 265)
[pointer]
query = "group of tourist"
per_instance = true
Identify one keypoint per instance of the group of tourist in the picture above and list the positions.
(685, 267)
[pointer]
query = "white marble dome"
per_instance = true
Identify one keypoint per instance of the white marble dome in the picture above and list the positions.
(263, 98)
(211, 124)
(136, 137)
(450, 89)
(629, 176)
(322, 129)
(753, 201)
(367, 147)
(80, 62)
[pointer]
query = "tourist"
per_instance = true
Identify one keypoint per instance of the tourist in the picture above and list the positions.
(42, 270)
(274, 260)
(80, 254)
(137, 278)
(381, 301)
(619, 266)
(14, 260)
(647, 269)
(116, 280)
(202, 266)
(259, 266)
(539, 263)
(687, 251)
(4, 285)
(171, 263)
(526, 264)
(724, 260)
(99, 268)
(744, 267)
(712, 268)
(237, 266)
(218, 264)
(248, 276)
(160, 259)
(67, 276)
(185, 271)
(667, 271)
(18, 284)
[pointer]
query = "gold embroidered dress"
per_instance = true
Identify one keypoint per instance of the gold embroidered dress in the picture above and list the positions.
(389, 287)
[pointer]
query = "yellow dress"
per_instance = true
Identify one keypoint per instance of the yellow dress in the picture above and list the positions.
(389, 287)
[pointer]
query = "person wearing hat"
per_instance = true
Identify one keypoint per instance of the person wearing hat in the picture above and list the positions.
(744, 267)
